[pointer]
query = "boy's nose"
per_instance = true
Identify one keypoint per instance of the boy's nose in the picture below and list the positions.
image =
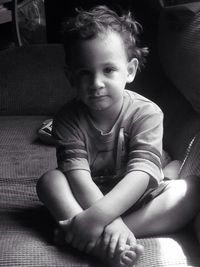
(96, 82)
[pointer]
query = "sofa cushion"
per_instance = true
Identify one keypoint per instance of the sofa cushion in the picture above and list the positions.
(181, 122)
(32, 80)
(22, 152)
(179, 47)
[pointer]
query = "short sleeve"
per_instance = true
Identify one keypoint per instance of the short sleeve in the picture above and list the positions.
(71, 150)
(145, 148)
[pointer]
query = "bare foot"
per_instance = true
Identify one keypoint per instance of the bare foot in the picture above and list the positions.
(122, 258)
(126, 258)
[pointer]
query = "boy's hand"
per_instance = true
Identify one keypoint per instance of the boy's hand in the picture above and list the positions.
(82, 231)
(117, 235)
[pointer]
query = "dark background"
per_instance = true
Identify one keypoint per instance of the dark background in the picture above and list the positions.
(145, 11)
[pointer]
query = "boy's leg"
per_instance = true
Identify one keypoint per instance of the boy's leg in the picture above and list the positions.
(54, 191)
(169, 211)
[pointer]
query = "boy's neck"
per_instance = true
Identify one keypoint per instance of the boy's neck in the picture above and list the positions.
(104, 120)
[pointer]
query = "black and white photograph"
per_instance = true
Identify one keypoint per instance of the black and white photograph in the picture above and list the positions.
(100, 133)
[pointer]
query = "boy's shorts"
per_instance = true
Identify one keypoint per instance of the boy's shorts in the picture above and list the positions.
(150, 193)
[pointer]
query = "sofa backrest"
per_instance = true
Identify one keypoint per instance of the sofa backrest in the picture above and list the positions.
(32, 80)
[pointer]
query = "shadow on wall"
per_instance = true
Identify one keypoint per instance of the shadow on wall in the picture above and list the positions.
(55, 13)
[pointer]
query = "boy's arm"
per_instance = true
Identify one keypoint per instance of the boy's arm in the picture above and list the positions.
(103, 210)
(99, 209)
(113, 204)
(123, 195)
(83, 187)
(87, 193)
(119, 199)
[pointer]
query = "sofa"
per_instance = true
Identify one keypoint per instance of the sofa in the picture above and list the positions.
(33, 87)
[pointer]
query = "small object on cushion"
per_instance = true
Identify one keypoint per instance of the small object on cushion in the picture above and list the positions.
(45, 132)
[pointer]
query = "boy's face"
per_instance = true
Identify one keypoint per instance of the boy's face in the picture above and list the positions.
(100, 71)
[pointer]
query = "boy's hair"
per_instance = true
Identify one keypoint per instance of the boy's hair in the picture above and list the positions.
(99, 20)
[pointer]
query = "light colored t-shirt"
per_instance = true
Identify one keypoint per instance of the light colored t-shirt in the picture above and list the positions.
(134, 142)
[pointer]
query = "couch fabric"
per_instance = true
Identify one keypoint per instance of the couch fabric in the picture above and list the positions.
(179, 48)
(32, 81)
(32, 89)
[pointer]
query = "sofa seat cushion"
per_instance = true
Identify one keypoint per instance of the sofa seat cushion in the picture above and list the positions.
(26, 226)
(21, 151)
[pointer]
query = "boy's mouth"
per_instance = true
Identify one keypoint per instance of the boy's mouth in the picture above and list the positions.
(97, 96)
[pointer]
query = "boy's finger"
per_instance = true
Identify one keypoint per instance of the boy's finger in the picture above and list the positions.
(122, 243)
(65, 223)
(113, 244)
(105, 241)
(132, 243)
(132, 240)
(90, 247)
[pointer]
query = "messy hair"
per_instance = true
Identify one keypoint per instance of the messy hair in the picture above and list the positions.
(87, 25)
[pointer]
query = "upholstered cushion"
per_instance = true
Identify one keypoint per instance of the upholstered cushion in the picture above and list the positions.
(179, 48)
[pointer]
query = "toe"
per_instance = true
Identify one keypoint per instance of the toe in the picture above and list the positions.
(139, 249)
(128, 258)
(131, 255)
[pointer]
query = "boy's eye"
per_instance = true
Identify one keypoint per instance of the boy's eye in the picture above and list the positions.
(109, 70)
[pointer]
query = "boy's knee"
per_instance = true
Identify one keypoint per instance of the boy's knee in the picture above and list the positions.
(47, 181)
(192, 183)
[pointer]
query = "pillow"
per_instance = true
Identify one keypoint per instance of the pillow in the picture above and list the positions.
(179, 48)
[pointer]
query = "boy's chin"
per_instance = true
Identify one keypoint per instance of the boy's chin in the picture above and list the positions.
(97, 108)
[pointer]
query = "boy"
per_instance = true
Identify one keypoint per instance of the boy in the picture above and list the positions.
(108, 186)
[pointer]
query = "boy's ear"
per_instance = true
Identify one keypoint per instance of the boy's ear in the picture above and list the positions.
(132, 69)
